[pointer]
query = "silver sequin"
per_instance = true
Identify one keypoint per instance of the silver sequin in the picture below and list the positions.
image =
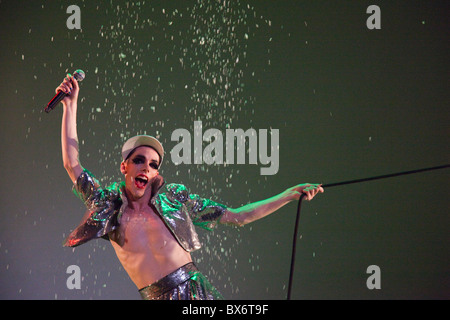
(180, 210)
(185, 283)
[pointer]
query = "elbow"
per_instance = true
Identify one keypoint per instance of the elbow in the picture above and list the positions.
(70, 165)
(67, 165)
(70, 162)
(234, 218)
(239, 223)
(73, 169)
(70, 170)
(242, 220)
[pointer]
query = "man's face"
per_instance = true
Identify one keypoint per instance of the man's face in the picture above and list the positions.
(139, 169)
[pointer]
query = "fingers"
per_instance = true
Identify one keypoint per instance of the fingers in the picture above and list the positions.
(74, 82)
(312, 190)
(68, 85)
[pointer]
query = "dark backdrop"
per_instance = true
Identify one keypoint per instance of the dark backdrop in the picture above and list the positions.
(349, 102)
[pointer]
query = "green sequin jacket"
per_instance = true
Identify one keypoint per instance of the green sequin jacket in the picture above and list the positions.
(180, 211)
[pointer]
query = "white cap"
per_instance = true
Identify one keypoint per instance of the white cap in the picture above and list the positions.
(142, 140)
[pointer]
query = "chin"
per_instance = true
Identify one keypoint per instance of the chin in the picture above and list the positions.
(134, 192)
(138, 193)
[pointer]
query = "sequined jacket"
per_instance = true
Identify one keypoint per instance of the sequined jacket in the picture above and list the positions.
(180, 211)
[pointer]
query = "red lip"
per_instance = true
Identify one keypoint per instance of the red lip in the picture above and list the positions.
(142, 182)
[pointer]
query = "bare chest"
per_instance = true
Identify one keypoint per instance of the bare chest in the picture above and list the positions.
(141, 228)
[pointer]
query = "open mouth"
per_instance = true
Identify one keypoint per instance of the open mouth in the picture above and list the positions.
(141, 181)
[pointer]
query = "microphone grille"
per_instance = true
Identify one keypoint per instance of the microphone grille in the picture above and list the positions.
(79, 75)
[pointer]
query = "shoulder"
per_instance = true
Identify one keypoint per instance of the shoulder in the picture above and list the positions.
(88, 188)
(177, 191)
(86, 185)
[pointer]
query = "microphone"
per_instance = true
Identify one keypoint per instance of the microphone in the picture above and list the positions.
(79, 76)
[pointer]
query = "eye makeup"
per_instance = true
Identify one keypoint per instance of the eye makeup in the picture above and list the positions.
(139, 159)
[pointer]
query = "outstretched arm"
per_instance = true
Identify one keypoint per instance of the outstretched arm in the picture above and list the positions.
(69, 137)
(257, 210)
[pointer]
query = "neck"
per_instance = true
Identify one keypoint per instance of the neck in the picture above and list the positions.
(138, 203)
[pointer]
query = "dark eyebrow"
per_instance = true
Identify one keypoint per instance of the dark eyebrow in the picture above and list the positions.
(140, 156)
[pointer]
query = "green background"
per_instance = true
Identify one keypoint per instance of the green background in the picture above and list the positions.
(349, 103)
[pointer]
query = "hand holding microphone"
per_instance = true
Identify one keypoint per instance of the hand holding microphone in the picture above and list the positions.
(68, 88)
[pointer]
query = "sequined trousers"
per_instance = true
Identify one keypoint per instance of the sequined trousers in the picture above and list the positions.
(185, 283)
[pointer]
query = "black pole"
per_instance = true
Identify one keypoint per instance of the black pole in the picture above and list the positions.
(294, 242)
(384, 176)
(294, 246)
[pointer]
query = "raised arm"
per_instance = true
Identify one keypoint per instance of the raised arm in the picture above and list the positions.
(69, 137)
(257, 210)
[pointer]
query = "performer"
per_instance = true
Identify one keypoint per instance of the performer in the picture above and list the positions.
(150, 224)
